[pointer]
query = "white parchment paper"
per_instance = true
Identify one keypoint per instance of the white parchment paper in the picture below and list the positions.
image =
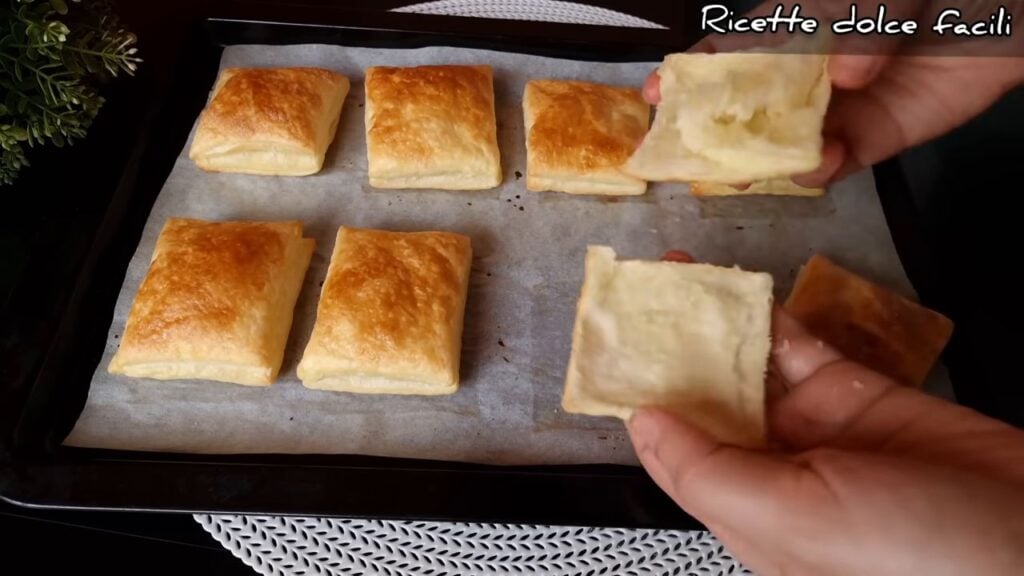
(527, 271)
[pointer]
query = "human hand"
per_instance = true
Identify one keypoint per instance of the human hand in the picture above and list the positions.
(870, 477)
(883, 105)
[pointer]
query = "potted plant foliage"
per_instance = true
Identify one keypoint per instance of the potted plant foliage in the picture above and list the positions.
(54, 56)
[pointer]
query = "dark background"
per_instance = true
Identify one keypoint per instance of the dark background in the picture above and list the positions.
(964, 188)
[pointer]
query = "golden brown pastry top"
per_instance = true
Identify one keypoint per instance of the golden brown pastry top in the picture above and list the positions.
(394, 300)
(204, 278)
(279, 104)
(581, 127)
(868, 323)
(416, 113)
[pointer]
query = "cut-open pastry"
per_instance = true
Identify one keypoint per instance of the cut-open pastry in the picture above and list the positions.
(868, 323)
(690, 338)
(736, 118)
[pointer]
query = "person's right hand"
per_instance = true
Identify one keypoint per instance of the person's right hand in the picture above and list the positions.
(870, 477)
(884, 105)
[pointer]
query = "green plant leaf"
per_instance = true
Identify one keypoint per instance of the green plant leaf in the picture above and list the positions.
(54, 54)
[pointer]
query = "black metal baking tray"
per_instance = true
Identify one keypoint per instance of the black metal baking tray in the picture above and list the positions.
(46, 375)
(46, 364)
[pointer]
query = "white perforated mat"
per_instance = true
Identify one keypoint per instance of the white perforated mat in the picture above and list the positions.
(280, 546)
(538, 10)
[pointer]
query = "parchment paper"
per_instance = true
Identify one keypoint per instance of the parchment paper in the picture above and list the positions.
(527, 272)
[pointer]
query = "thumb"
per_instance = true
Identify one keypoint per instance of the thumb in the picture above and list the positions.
(720, 485)
(856, 71)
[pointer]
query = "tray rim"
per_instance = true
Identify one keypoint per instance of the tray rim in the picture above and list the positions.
(68, 478)
(52, 476)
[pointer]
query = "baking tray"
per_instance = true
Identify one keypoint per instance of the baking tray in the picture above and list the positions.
(39, 404)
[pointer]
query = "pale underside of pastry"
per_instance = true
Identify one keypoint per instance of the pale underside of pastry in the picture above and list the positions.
(690, 338)
(776, 187)
(867, 322)
(579, 135)
(390, 314)
(735, 118)
(270, 121)
(217, 302)
(432, 127)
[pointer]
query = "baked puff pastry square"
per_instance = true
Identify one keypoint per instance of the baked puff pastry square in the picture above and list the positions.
(432, 127)
(390, 314)
(867, 322)
(270, 121)
(689, 338)
(579, 135)
(217, 302)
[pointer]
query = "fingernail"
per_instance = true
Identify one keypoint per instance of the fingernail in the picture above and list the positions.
(833, 155)
(652, 89)
(782, 348)
(643, 429)
(677, 256)
(813, 180)
(867, 71)
(855, 72)
(819, 178)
